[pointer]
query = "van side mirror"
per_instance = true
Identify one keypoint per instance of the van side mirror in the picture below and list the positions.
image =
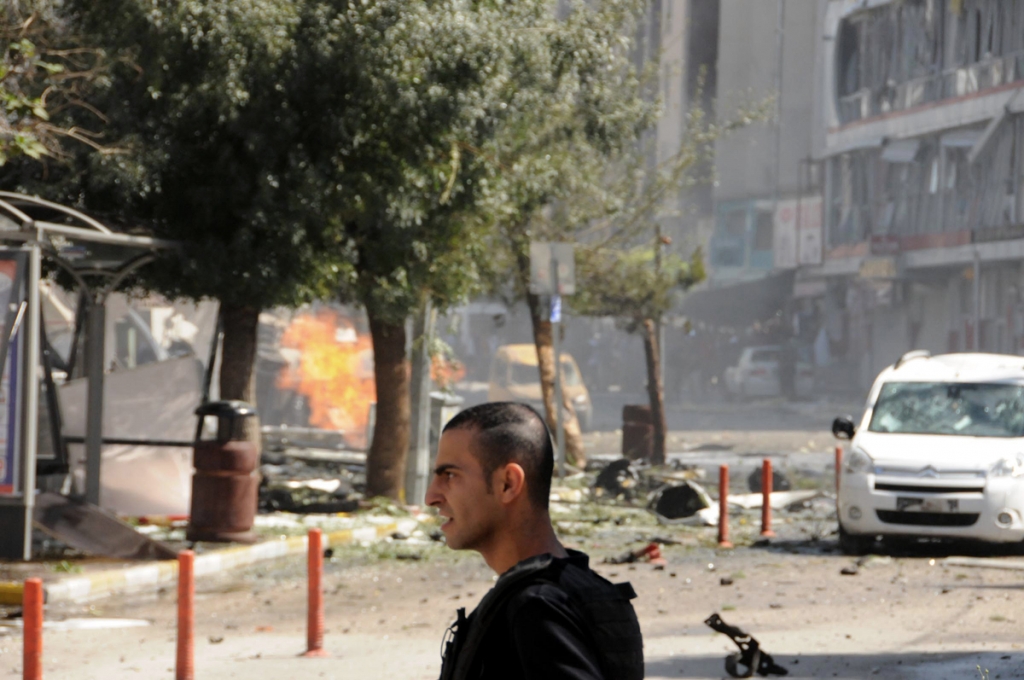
(843, 427)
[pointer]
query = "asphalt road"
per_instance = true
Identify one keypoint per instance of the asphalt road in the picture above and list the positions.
(907, 617)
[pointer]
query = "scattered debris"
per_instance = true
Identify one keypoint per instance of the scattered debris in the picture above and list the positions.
(751, 659)
(618, 479)
(94, 530)
(649, 553)
(849, 571)
(780, 482)
(779, 500)
(302, 488)
(564, 494)
(725, 581)
(687, 503)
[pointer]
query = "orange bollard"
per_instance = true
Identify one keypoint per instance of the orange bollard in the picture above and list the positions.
(723, 507)
(766, 499)
(839, 465)
(184, 667)
(32, 616)
(315, 621)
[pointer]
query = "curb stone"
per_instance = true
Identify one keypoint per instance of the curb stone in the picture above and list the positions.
(151, 577)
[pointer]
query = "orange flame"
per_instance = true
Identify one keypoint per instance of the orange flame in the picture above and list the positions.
(334, 372)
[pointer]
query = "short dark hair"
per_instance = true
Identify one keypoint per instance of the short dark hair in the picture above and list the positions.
(511, 432)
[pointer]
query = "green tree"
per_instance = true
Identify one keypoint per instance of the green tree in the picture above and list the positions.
(626, 269)
(401, 96)
(43, 71)
(304, 149)
(638, 286)
(587, 108)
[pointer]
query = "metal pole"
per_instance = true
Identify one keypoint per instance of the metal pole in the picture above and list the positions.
(417, 465)
(779, 35)
(94, 413)
(30, 411)
(976, 330)
(559, 425)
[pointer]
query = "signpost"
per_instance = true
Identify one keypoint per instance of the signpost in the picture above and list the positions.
(553, 274)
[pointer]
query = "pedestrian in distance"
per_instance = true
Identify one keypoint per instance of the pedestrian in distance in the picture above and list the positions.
(548, 616)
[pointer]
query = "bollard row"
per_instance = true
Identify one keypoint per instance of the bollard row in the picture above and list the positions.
(32, 607)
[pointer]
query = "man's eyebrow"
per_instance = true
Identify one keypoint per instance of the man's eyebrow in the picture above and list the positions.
(441, 469)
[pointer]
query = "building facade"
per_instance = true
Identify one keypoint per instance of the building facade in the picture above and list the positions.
(920, 113)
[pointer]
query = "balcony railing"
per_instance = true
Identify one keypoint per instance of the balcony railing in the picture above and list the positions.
(958, 82)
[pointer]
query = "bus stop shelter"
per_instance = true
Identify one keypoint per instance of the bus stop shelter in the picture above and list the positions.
(98, 260)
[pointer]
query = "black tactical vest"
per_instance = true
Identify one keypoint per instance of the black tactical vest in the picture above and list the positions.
(603, 608)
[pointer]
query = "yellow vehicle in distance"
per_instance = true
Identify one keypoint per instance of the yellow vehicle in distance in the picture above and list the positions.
(515, 376)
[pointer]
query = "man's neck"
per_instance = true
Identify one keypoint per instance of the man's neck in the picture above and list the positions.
(521, 543)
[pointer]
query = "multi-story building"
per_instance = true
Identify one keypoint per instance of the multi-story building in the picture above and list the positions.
(920, 135)
(767, 201)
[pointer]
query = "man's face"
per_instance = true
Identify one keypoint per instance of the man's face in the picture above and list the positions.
(460, 492)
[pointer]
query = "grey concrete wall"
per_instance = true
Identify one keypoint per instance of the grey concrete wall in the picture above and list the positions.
(746, 74)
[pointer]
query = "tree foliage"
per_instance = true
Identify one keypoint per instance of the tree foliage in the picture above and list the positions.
(633, 284)
(43, 72)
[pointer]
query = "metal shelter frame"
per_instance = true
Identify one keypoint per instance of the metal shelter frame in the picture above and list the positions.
(44, 228)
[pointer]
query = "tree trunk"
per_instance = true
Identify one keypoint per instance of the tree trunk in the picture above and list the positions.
(542, 338)
(238, 360)
(385, 462)
(655, 394)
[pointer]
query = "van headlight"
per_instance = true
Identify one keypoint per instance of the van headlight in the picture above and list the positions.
(579, 399)
(1011, 466)
(858, 461)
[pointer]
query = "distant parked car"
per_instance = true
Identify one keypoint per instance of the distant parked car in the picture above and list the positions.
(938, 453)
(756, 374)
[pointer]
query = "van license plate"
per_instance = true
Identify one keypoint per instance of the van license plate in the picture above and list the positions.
(904, 504)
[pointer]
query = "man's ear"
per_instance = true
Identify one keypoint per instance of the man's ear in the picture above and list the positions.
(511, 482)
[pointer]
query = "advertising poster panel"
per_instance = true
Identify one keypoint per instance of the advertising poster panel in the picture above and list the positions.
(9, 300)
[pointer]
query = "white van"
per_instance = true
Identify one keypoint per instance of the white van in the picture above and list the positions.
(939, 452)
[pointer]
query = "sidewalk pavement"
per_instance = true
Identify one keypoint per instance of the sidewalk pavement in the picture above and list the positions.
(150, 577)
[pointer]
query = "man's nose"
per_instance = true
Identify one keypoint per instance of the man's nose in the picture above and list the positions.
(433, 497)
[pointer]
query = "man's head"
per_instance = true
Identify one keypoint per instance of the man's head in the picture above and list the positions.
(493, 461)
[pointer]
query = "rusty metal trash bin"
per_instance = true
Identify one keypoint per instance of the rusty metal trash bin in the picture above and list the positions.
(225, 485)
(637, 432)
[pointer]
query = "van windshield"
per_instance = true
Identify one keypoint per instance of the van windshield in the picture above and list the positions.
(968, 409)
(524, 374)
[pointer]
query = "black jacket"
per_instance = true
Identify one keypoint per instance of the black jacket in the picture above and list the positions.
(548, 619)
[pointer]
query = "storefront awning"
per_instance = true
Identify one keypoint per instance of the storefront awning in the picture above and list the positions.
(740, 304)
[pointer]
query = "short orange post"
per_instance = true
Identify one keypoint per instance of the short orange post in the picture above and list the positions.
(766, 499)
(184, 666)
(315, 621)
(723, 507)
(32, 617)
(839, 465)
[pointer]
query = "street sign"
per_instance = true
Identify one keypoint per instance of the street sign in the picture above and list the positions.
(552, 268)
(556, 309)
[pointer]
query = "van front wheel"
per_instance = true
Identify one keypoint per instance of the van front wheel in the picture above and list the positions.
(852, 544)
